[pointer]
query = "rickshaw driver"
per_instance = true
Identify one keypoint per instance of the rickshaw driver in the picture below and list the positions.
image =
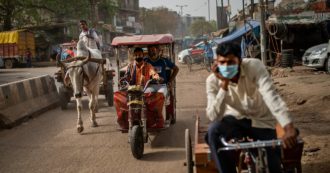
(161, 64)
(242, 101)
(139, 72)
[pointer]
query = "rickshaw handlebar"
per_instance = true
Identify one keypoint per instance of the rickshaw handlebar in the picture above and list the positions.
(145, 87)
(254, 144)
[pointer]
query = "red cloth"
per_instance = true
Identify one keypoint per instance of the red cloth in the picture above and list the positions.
(70, 52)
(154, 105)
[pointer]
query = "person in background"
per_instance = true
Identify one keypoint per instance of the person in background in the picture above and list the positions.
(28, 56)
(161, 64)
(89, 36)
(208, 52)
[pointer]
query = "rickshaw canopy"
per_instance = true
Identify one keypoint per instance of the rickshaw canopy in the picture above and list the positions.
(143, 40)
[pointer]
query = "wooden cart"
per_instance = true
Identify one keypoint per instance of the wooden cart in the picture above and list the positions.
(66, 91)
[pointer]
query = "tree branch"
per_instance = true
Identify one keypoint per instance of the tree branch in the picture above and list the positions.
(40, 7)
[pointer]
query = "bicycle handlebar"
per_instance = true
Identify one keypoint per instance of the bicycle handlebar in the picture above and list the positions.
(255, 144)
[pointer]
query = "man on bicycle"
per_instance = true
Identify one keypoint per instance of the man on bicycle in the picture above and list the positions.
(242, 101)
(208, 52)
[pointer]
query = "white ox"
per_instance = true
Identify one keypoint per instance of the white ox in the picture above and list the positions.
(87, 75)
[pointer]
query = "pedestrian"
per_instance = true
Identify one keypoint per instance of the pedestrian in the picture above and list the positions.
(208, 52)
(28, 57)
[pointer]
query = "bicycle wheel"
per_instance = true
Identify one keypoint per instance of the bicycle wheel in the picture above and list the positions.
(207, 64)
(189, 62)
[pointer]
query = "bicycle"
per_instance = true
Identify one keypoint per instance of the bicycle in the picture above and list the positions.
(207, 62)
(189, 62)
(256, 162)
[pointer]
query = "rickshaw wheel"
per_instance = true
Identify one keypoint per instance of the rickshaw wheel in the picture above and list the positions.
(64, 97)
(173, 119)
(137, 142)
(109, 93)
(189, 161)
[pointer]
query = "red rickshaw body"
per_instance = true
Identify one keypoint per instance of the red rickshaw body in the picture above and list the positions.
(154, 102)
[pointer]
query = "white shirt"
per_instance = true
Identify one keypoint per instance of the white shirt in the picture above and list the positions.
(90, 42)
(253, 97)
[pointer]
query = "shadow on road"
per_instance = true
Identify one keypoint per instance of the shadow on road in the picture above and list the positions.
(159, 156)
(99, 132)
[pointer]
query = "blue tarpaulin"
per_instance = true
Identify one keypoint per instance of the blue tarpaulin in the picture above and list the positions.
(238, 32)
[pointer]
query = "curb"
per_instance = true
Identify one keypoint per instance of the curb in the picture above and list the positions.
(27, 98)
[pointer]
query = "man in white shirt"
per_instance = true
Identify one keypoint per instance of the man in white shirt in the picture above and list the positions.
(89, 36)
(242, 101)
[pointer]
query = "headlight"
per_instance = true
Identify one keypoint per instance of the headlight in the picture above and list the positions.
(319, 52)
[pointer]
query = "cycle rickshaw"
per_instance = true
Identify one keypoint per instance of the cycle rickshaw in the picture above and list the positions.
(251, 156)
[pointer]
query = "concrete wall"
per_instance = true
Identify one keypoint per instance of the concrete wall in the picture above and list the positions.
(22, 99)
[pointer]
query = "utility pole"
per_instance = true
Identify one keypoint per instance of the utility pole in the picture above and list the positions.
(243, 3)
(181, 6)
(262, 32)
(229, 12)
(94, 12)
(181, 16)
(216, 10)
(252, 9)
(222, 12)
(208, 4)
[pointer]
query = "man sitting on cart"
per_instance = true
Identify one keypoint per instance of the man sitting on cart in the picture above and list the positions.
(242, 101)
(139, 72)
(161, 64)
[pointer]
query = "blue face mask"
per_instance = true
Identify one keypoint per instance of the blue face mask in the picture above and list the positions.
(228, 71)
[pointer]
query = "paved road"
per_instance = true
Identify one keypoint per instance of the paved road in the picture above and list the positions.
(50, 143)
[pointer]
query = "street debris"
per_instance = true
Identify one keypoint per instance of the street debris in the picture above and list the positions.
(301, 101)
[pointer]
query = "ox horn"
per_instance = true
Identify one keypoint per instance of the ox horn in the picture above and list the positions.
(87, 58)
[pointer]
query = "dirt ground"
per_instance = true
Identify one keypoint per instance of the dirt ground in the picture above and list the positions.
(307, 94)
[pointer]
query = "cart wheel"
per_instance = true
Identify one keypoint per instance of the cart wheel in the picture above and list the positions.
(64, 97)
(109, 93)
(137, 142)
(189, 161)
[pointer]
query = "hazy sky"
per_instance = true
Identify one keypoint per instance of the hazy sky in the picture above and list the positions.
(194, 7)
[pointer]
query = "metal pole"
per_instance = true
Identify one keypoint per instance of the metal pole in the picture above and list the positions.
(181, 16)
(216, 5)
(228, 5)
(262, 32)
(252, 9)
(243, 3)
(222, 25)
(208, 4)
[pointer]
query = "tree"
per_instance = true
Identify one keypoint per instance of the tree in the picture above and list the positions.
(201, 27)
(159, 20)
(17, 13)
(8, 9)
